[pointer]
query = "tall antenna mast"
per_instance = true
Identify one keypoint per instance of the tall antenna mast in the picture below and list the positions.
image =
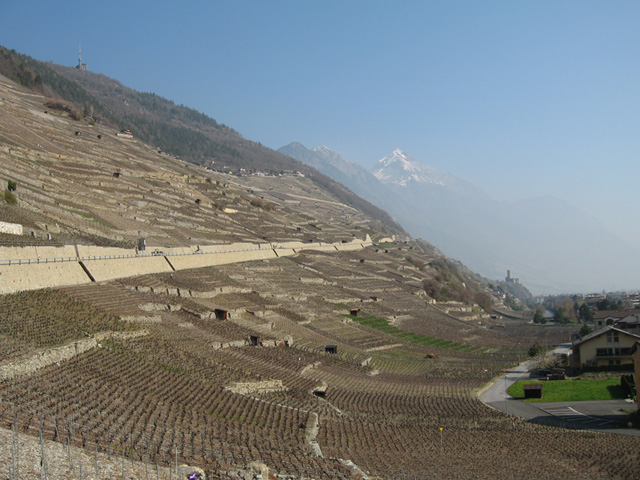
(81, 66)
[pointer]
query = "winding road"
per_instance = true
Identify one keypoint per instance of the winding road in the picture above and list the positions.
(606, 416)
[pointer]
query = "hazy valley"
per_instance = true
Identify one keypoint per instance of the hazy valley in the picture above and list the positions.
(554, 246)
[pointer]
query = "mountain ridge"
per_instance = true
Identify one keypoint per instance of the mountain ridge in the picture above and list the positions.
(174, 129)
(491, 236)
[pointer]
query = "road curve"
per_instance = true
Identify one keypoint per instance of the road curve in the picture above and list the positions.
(608, 416)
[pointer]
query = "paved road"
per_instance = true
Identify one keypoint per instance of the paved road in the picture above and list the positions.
(602, 415)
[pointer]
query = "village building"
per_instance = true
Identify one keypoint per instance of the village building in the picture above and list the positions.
(607, 347)
(627, 320)
(636, 367)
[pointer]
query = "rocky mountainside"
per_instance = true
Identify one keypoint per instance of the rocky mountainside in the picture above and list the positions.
(328, 162)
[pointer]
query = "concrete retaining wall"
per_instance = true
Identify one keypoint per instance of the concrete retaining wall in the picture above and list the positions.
(347, 247)
(33, 253)
(284, 252)
(234, 246)
(89, 251)
(50, 273)
(111, 269)
(184, 262)
(68, 251)
(296, 245)
(14, 278)
(174, 250)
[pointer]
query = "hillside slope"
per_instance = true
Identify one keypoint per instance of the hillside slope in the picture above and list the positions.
(337, 364)
(171, 128)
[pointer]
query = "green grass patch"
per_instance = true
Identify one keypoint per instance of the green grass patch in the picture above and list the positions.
(82, 214)
(573, 390)
(211, 234)
(383, 325)
(88, 216)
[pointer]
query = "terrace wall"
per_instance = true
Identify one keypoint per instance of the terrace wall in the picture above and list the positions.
(34, 276)
(113, 268)
(32, 268)
(33, 253)
(11, 228)
(183, 262)
(91, 251)
(44, 358)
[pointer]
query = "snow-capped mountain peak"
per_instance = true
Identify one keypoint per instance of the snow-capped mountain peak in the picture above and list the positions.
(402, 169)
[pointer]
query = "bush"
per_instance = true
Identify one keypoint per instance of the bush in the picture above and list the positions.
(485, 301)
(585, 330)
(9, 197)
(260, 203)
(627, 382)
(419, 264)
(535, 350)
(61, 105)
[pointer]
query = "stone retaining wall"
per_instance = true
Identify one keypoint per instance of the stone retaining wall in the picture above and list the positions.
(59, 354)
(51, 274)
(245, 388)
(11, 228)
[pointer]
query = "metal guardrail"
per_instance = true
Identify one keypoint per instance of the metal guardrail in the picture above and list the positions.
(29, 261)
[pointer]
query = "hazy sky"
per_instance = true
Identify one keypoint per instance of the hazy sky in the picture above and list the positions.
(523, 98)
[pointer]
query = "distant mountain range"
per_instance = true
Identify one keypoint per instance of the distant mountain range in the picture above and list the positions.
(551, 245)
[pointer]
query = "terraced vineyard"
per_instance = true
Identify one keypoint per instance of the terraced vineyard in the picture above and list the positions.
(262, 360)
(173, 392)
(40, 319)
